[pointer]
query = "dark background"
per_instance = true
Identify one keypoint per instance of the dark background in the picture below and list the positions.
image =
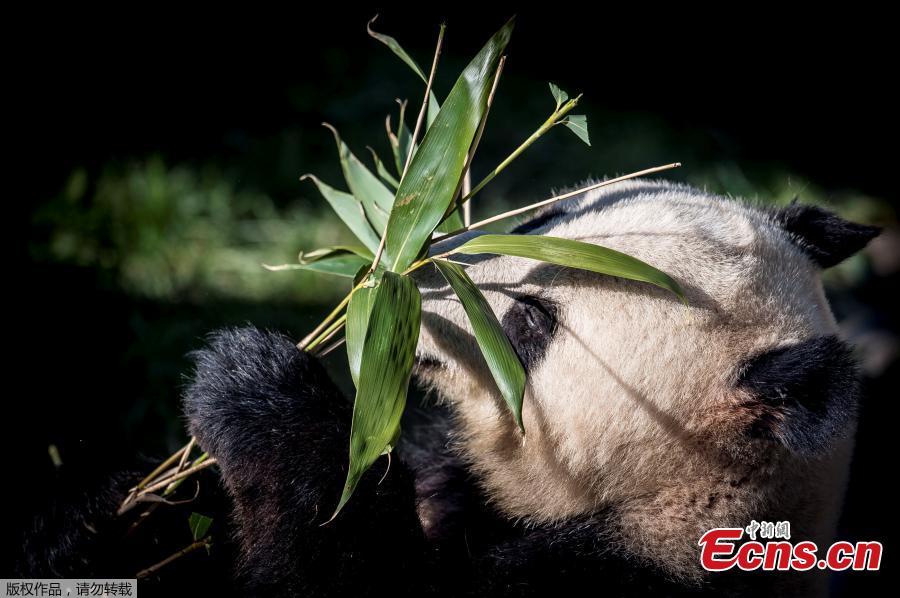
(157, 149)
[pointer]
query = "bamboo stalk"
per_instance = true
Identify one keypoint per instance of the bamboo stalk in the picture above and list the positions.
(424, 108)
(162, 467)
(334, 313)
(186, 454)
(554, 199)
(546, 126)
(471, 155)
(182, 474)
(412, 145)
(187, 550)
(328, 334)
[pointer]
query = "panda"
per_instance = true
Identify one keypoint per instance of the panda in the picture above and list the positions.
(648, 422)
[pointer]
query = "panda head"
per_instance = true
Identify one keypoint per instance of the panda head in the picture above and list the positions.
(677, 418)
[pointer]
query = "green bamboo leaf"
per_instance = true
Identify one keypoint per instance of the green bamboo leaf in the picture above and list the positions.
(577, 123)
(433, 110)
(437, 167)
(505, 366)
(392, 443)
(357, 323)
(339, 263)
(199, 525)
(394, 139)
(307, 257)
(404, 141)
(363, 273)
(344, 265)
(433, 105)
(559, 95)
(382, 171)
(394, 45)
(349, 210)
(452, 222)
(385, 367)
(573, 254)
(401, 141)
(365, 186)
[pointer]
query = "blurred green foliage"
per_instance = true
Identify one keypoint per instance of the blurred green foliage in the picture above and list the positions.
(184, 234)
(189, 233)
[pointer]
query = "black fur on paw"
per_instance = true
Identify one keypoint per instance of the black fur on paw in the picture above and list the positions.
(253, 391)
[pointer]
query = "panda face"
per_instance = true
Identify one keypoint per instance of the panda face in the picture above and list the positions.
(695, 415)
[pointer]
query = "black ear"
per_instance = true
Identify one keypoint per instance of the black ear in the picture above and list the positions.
(804, 395)
(825, 236)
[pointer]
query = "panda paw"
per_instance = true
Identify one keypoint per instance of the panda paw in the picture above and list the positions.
(251, 389)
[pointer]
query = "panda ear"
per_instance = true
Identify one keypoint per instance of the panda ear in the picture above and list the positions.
(826, 237)
(802, 395)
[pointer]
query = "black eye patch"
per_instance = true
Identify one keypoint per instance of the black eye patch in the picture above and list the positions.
(530, 325)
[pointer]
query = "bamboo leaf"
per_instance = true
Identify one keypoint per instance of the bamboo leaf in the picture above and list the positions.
(308, 257)
(349, 210)
(559, 95)
(404, 141)
(434, 108)
(573, 254)
(452, 222)
(395, 47)
(577, 123)
(382, 171)
(357, 323)
(376, 199)
(199, 525)
(328, 261)
(433, 105)
(400, 140)
(385, 367)
(505, 366)
(343, 265)
(437, 167)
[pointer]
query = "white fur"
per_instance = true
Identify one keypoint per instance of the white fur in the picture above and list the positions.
(634, 404)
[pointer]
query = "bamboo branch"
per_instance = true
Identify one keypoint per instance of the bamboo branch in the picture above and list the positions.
(412, 145)
(189, 549)
(466, 189)
(424, 108)
(471, 155)
(554, 199)
(334, 313)
(163, 466)
(186, 454)
(546, 126)
(181, 474)
(328, 334)
(331, 347)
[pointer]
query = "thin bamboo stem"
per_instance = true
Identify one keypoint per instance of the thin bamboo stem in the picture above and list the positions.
(331, 316)
(546, 126)
(554, 199)
(182, 474)
(186, 454)
(162, 467)
(328, 333)
(424, 108)
(187, 550)
(474, 147)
